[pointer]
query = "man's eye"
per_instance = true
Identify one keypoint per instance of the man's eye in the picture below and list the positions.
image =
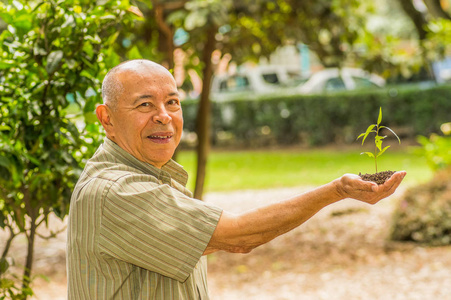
(174, 102)
(144, 107)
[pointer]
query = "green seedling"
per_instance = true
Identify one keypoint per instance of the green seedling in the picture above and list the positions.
(378, 150)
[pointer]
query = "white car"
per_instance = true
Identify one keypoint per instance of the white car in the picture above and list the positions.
(335, 79)
(249, 83)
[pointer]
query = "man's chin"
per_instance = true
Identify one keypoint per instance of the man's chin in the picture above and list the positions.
(159, 158)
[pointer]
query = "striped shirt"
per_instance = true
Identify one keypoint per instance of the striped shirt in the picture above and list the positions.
(135, 232)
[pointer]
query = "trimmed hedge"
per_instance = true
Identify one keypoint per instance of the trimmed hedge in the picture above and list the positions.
(323, 119)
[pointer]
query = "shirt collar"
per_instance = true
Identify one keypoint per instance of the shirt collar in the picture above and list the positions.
(170, 170)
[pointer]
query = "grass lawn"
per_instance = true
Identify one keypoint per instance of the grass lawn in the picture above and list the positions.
(235, 170)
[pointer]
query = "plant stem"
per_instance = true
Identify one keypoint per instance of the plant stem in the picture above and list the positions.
(375, 157)
(375, 147)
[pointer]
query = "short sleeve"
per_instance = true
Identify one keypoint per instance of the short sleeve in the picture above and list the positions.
(155, 226)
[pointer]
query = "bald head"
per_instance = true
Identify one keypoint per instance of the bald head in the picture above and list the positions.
(113, 87)
(142, 112)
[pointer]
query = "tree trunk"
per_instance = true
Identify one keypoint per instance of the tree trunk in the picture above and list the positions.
(416, 17)
(436, 10)
(30, 251)
(168, 33)
(204, 115)
(33, 213)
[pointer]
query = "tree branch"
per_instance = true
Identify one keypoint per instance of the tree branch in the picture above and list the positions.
(416, 17)
(52, 233)
(12, 235)
(436, 10)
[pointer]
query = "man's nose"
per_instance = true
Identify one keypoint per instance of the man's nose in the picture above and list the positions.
(161, 116)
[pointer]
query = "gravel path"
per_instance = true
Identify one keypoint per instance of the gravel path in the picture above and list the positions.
(341, 253)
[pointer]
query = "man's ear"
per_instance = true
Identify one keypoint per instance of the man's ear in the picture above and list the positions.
(103, 113)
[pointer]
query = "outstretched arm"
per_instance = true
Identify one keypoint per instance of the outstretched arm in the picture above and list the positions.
(244, 232)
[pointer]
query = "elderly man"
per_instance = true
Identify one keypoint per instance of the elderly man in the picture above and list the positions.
(135, 232)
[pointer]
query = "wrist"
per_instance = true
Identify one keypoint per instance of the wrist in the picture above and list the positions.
(338, 189)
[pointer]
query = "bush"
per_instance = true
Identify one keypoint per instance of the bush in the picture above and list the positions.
(323, 119)
(437, 149)
(52, 53)
(424, 213)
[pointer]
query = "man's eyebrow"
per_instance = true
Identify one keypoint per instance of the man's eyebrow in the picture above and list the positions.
(174, 94)
(147, 96)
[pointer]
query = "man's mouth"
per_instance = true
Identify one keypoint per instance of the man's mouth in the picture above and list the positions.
(160, 138)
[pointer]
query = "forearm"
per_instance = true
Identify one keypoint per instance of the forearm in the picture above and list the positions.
(246, 231)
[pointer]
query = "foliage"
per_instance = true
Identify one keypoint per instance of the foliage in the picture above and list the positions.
(8, 283)
(439, 38)
(437, 149)
(52, 53)
(323, 119)
(378, 139)
(424, 212)
(330, 28)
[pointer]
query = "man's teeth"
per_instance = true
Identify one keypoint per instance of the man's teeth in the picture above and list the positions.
(160, 136)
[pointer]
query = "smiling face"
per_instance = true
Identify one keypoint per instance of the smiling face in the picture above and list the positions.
(146, 117)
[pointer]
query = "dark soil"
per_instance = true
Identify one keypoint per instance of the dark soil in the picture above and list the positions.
(378, 178)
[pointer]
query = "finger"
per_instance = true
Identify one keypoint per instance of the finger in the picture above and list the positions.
(366, 186)
(396, 179)
(393, 183)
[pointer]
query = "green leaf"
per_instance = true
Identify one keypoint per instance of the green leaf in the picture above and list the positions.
(53, 61)
(368, 131)
(6, 64)
(5, 162)
(392, 132)
(4, 265)
(378, 141)
(382, 151)
(90, 117)
(2, 220)
(112, 39)
(32, 159)
(379, 119)
(88, 49)
(112, 58)
(85, 73)
(134, 53)
(368, 153)
(23, 21)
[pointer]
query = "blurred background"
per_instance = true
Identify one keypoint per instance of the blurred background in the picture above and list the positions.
(275, 94)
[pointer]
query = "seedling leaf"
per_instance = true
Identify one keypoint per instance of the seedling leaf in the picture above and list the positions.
(379, 119)
(392, 132)
(382, 151)
(368, 153)
(378, 141)
(368, 131)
